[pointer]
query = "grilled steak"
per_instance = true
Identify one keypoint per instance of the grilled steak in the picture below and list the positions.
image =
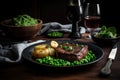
(71, 51)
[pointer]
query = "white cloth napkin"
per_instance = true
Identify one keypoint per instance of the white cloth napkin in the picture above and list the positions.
(17, 49)
(55, 26)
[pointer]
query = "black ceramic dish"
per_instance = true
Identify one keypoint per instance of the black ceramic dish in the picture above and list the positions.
(96, 50)
(105, 41)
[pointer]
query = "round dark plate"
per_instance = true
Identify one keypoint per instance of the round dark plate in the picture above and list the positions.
(96, 50)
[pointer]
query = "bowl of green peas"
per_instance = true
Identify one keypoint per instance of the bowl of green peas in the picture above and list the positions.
(21, 27)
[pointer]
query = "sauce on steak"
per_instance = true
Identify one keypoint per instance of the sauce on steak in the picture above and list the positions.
(71, 51)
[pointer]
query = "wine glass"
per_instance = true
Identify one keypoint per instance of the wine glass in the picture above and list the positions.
(74, 14)
(92, 16)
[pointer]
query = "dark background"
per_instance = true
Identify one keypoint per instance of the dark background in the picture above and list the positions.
(55, 10)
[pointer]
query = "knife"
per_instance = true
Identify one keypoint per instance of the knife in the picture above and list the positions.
(106, 69)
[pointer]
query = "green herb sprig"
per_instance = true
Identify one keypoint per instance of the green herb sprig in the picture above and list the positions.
(55, 34)
(107, 32)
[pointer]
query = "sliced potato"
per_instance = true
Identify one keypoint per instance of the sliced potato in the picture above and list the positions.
(40, 53)
(35, 53)
(51, 51)
(54, 44)
(44, 50)
(43, 53)
(40, 46)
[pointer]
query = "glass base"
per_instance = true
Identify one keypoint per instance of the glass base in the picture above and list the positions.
(75, 35)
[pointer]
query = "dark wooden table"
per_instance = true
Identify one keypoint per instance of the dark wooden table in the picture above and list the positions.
(25, 71)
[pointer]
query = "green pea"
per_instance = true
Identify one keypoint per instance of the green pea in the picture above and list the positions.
(77, 44)
(65, 47)
(71, 48)
(67, 42)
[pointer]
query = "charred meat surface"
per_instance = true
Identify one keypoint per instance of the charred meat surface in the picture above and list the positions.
(71, 51)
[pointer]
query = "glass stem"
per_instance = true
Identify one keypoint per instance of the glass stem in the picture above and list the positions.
(75, 27)
(75, 31)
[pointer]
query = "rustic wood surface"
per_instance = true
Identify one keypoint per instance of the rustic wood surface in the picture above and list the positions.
(27, 71)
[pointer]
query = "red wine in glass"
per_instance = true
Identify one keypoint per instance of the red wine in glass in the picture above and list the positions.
(92, 16)
(92, 21)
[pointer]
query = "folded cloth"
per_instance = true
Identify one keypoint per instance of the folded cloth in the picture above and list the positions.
(13, 53)
(55, 26)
